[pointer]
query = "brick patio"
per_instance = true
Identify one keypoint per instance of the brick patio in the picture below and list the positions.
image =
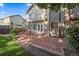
(51, 43)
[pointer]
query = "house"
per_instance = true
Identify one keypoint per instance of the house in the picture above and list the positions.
(15, 21)
(36, 14)
(57, 20)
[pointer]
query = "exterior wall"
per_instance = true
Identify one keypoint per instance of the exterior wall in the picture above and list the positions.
(1, 21)
(37, 27)
(4, 29)
(36, 13)
(54, 17)
(15, 20)
(4, 25)
(76, 11)
(5, 21)
(56, 22)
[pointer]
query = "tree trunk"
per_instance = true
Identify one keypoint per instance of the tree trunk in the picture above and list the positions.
(69, 16)
(60, 23)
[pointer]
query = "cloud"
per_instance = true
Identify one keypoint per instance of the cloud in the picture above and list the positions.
(2, 12)
(29, 4)
(1, 4)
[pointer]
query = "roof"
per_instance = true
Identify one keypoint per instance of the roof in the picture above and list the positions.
(14, 16)
(18, 15)
(30, 8)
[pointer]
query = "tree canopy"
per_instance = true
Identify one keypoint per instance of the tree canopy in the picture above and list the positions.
(50, 6)
(57, 6)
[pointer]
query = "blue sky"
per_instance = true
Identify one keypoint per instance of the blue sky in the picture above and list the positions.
(8, 9)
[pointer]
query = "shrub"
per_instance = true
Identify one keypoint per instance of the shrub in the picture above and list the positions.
(14, 31)
(72, 36)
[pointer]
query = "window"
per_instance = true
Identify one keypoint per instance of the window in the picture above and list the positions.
(38, 27)
(34, 27)
(41, 27)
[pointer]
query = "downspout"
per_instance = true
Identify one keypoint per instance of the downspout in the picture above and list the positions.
(49, 24)
(59, 23)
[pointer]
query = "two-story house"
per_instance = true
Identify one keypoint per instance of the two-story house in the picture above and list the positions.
(36, 14)
(57, 21)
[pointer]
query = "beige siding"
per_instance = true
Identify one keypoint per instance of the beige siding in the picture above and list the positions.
(5, 21)
(1, 22)
(17, 20)
(36, 13)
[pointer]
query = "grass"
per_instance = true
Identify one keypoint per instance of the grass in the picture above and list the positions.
(9, 47)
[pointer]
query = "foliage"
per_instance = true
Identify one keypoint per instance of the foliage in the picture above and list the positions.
(14, 31)
(10, 48)
(50, 6)
(70, 5)
(57, 6)
(72, 36)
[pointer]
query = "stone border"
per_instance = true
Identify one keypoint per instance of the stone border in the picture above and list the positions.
(46, 49)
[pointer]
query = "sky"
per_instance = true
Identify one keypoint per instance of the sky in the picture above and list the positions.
(9, 9)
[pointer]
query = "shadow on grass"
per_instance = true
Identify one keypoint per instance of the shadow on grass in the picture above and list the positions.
(16, 52)
(10, 48)
(3, 41)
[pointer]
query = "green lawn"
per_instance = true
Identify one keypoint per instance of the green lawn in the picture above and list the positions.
(10, 48)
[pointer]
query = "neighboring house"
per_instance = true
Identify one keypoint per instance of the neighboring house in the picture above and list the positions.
(15, 21)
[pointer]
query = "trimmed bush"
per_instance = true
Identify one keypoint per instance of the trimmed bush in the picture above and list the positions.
(72, 36)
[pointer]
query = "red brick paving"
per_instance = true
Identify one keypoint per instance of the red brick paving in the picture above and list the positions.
(52, 43)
